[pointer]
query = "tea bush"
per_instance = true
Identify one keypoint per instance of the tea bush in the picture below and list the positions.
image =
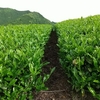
(21, 50)
(79, 43)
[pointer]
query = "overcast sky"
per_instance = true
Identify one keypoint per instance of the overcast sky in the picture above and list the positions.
(56, 10)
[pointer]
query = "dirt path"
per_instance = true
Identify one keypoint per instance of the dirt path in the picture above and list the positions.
(59, 88)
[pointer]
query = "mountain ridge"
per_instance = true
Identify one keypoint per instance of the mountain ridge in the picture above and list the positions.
(13, 16)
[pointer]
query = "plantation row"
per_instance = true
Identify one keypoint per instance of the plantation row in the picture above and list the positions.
(21, 50)
(79, 43)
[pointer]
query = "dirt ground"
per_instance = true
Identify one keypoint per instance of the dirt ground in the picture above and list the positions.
(59, 88)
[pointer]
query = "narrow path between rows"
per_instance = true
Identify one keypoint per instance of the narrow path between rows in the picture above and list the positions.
(59, 88)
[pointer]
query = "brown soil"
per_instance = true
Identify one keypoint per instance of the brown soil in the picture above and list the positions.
(59, 88)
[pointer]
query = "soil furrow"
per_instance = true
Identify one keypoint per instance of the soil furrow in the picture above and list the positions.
(59, 88)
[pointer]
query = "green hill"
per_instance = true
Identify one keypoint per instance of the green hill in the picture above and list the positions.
(32, 17)
(12, 16)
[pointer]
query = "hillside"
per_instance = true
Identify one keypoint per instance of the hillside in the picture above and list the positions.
(12, 16)
(32, 17)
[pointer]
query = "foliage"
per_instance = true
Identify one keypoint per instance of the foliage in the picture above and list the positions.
(32, 18)
(21, 50)
(79, 43)
(11, 16)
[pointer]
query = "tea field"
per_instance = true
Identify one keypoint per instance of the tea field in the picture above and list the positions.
(22, 48)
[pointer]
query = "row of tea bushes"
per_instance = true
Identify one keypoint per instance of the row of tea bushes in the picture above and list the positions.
(21, 50)
(79, 43)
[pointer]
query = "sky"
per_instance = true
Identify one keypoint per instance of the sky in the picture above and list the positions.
(56, 10)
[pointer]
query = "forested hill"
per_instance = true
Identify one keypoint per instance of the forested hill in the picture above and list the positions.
(12, 16)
